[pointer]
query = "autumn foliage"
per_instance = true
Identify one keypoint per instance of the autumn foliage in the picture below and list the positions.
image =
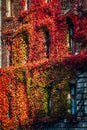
(41, 67)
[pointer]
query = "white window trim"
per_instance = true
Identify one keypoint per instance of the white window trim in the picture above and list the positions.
(9, 8)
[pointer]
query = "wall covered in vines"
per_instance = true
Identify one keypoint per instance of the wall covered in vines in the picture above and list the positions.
(33, 93)
(36, 85)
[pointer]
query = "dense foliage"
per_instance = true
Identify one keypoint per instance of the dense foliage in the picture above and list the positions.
(36, 85)
(31, 88)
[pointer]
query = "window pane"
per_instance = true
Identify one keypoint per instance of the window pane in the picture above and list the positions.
(73, 106)
(72, 91)
(85, 103)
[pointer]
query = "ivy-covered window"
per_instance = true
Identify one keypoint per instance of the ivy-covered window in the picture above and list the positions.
(49, 90)
(71, 34)
(9, 49)
(26, 46)
(47, 43)
(9, 105)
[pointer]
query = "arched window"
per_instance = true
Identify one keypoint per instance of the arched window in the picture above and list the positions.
(9, 8)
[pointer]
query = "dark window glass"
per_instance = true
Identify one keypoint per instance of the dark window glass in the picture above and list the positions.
(28, 4)
(48, 0)
(47, 44)
(65, 4)
(9, 106)
(71, 33)
(73, 99)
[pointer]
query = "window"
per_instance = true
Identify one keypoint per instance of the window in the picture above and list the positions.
(8, 57)
(9, 8)
(1, 125)
(71, 33)
(47, 43)
(73, 96)
(27, 5)
(26, 46)
(73, 111)
(49, 100)
(9, 105)
(10, 54)
(65, 4)
(8, 50)
(6, 53)
(78, 91)
(85, 97)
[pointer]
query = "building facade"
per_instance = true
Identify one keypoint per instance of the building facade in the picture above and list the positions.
(57, 38)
